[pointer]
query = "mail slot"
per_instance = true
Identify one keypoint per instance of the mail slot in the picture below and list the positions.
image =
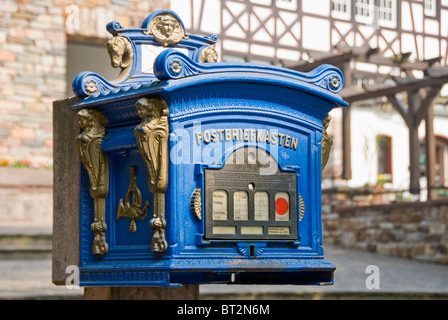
(197, 171)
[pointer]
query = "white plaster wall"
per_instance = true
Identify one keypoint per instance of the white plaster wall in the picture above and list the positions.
(366, 125)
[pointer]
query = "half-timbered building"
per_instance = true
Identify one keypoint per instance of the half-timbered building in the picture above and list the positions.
(393, 54)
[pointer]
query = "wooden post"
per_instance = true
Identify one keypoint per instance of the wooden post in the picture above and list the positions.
(346, 128)
(430, 153)
(414, 170)
(346, 147)
(414, 183)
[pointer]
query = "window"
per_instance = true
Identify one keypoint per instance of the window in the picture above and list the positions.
(440, 157)
(430, 8)
(387, 13)
(363, 8)
(440, 161)
(364, 11)
(384, 147)
(281, 4)
(220, 207)
(286, 4)
(385, 10)
(341, 9)
(262, 2)
(261, 206)
(240, 203)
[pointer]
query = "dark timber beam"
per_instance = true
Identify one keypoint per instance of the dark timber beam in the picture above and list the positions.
(430, 146)
(427, 102)
(419, 108)
(335, 60)
(399, 107)
(346, 130)
(414, 169)
(392, 90)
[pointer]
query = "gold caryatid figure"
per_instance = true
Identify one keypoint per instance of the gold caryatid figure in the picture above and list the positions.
(132, 206)
(96, 163)
(327, 141)
(152, 140)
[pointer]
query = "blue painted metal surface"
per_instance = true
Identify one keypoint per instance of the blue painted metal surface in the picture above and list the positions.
(206, 101)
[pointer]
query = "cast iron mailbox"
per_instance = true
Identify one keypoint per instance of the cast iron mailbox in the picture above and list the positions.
(195, 171)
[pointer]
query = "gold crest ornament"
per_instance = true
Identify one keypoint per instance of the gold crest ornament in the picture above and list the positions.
(208, 54)
(132, 207)
(93, 122)
(152, 136)
(166, 29)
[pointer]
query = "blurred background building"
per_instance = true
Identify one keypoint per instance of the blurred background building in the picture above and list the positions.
(390, 150)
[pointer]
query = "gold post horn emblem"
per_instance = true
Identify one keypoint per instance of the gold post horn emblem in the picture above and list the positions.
(133, 201)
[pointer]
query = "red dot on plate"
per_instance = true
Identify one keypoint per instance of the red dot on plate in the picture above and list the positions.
(281, 206)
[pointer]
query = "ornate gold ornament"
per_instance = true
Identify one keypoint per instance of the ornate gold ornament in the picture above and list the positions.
(152, 140)
(208, 54)
(91, 87)
(301, 208)
(121, 55)
(175, 67)
(196, 203)
(93, 122)
(327, 142)
(334, 82)
(132, 207)
(166, 29)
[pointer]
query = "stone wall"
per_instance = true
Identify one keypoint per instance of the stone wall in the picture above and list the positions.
(26, 198)
(33, 43)
(33, 61)
(413, 230)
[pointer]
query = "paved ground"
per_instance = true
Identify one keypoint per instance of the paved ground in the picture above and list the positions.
(399, 278)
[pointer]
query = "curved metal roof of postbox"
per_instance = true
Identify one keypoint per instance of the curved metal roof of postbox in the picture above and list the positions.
(174, 70)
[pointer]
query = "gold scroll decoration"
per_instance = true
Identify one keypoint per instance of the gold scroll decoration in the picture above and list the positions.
(327, 142)
(152, 140)
(166, 29)
(96, 163)
(132, 206)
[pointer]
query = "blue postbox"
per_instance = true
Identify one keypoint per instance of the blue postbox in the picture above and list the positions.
(195, 171)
